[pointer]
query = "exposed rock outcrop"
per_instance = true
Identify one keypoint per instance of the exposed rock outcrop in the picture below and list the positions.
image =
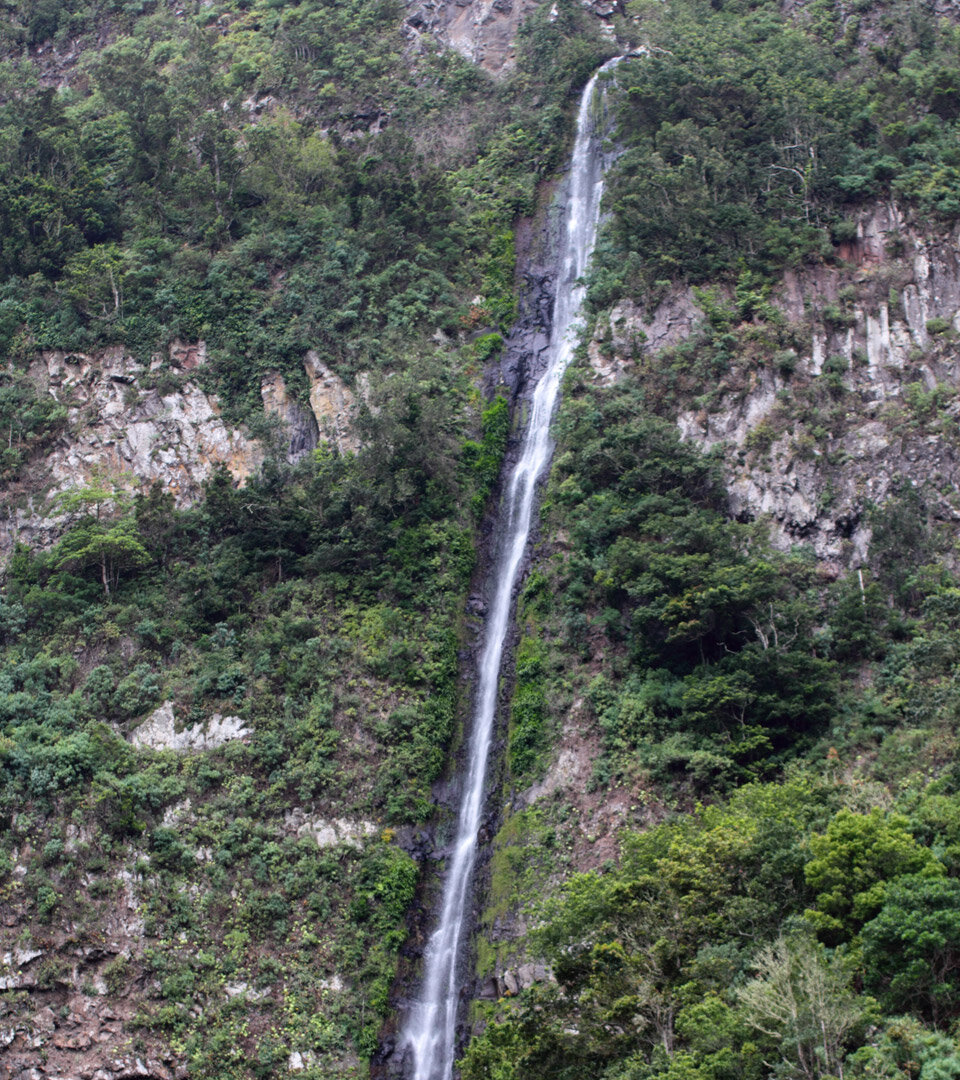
(330, 832)
(123, 421)
(626, 333)
(333, 404)
(130, 424)
(298, 425)
(483, 31)
(511, 981)
(881, 324)
(158, 732)
(60, 1023)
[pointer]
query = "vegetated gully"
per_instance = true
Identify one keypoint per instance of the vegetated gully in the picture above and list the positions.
(428, 1039)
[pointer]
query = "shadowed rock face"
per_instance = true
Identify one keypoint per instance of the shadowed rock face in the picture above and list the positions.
(299, 425)
(333, 405)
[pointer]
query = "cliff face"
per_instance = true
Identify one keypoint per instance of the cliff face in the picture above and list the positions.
(223, 778)
(840, 388)
(131, 425)
(485, 31)
(126, 426)
(73, 993)
(859, 396)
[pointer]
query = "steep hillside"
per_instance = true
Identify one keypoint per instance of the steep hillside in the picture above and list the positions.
(744, 594)
(258, 262)
(255, 259)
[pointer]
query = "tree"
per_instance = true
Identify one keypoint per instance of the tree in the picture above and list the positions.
(110, 546)
(93, 280)
(801, 999)
(912, 948)
(904, 1047)
(103, 535)
(852, 864)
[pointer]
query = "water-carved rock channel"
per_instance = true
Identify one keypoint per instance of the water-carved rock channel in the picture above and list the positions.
(430, 1033)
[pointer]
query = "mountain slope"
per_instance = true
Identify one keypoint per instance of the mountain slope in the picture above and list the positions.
(283, 239)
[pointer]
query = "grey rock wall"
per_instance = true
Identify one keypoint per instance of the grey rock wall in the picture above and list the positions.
(130, 425)
(889, 314)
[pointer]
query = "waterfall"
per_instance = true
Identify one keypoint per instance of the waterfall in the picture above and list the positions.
(431, 1027)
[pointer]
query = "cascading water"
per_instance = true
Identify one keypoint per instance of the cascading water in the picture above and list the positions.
(431, 1028)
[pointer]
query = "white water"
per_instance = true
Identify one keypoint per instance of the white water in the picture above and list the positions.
(431, 1028)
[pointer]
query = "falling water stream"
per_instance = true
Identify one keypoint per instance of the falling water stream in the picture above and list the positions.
(431, 1027)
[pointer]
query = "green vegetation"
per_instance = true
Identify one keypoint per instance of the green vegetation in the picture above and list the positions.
(320, 605)
(218, 172)
(802, 924)
(694, 957)
(269, 178)
(274, 177)
(28, 422)
(528, 736)
(713, 666)
(747, 134)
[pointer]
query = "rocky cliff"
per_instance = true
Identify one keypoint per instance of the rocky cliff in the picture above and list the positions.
(224, 778)
(844, 388)
(485, 31)
(831, 392)
(131, 424)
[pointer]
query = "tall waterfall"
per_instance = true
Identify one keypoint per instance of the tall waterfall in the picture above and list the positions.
(431, 1028)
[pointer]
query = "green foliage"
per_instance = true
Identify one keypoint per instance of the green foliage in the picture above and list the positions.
(498, 1055)
(274, 177)
(528, 711)
(643, 951)
(386, 889)
(28, 421)
(321, 605)
(110, 548)
(719, 680)
(859, 619)
(912, 947)
(688, 957)
(221, 173)
(485, 458)
(904, 1045)
(852, 864)
(746, 129)
(310, 602)
(901, 524)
